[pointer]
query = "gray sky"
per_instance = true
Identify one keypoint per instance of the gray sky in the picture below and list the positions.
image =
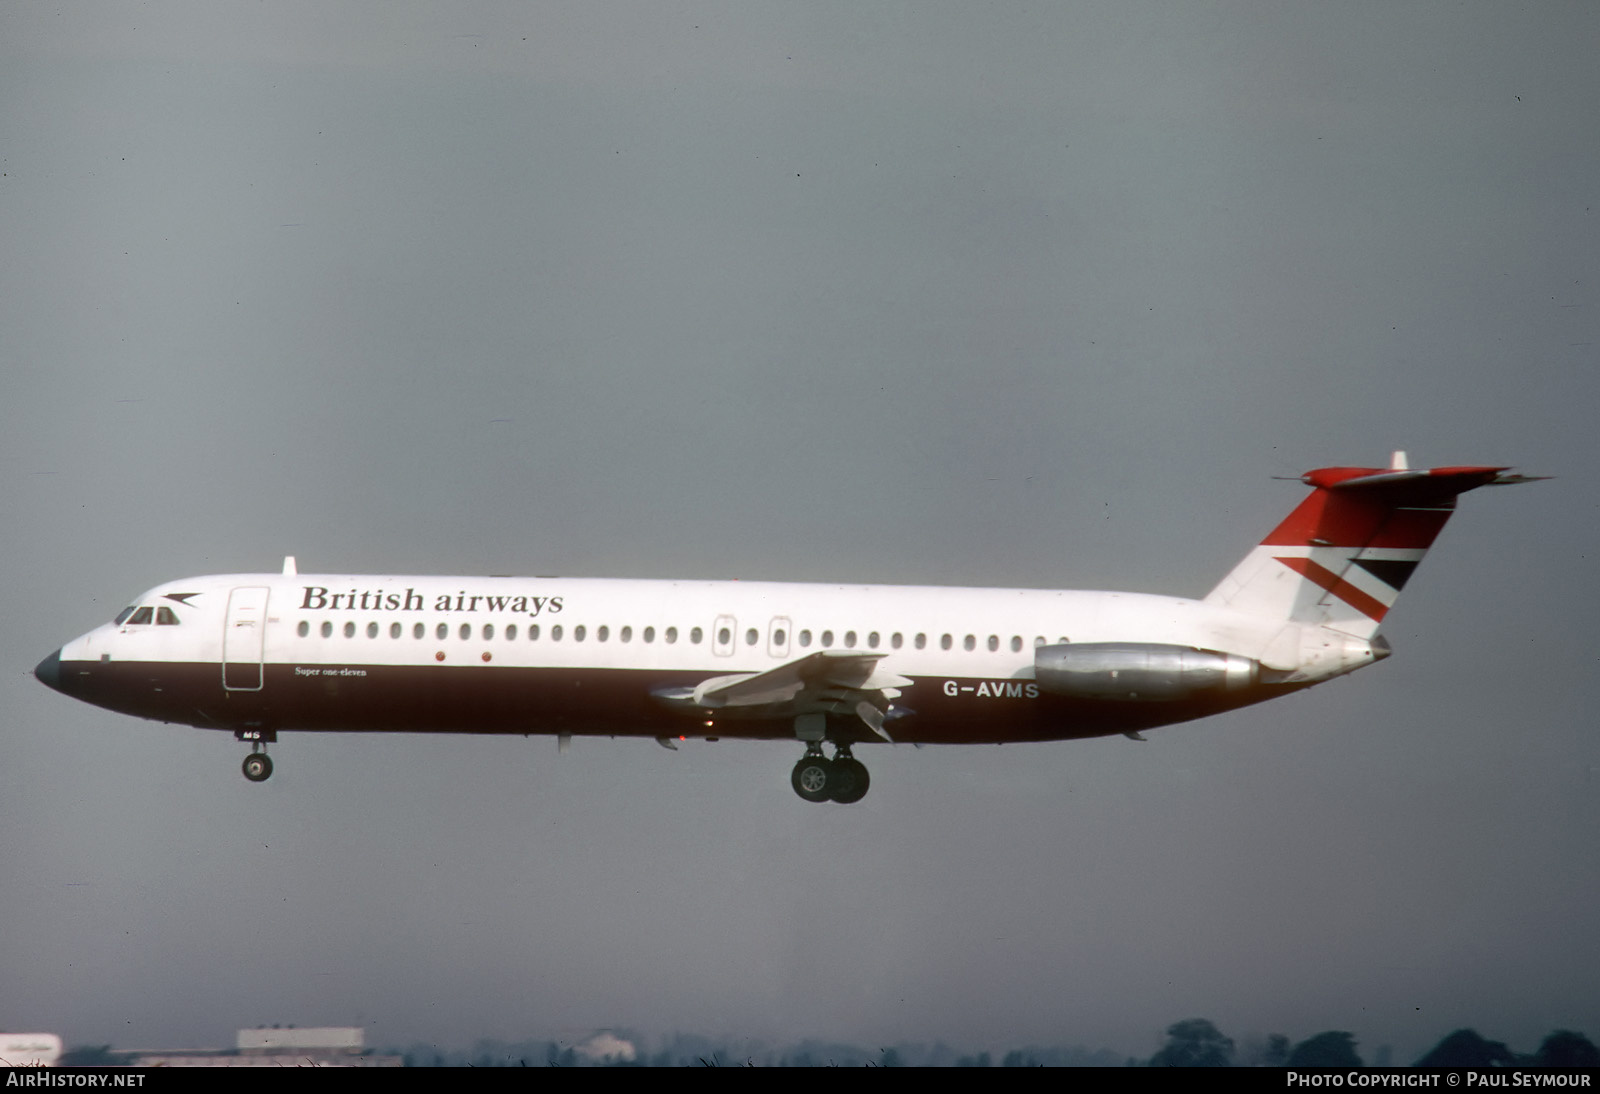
(1031, 294)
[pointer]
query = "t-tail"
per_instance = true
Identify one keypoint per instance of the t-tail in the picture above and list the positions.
(1341, 558)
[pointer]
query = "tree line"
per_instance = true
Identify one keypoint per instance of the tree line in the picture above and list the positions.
(1195, 1042)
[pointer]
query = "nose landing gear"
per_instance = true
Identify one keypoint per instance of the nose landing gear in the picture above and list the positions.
(842, 779)
(257, 766)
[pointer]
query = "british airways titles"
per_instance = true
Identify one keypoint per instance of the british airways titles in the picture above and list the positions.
(317, 598)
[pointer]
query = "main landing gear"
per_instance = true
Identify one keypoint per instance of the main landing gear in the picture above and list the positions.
(842, 779)
(257, 766)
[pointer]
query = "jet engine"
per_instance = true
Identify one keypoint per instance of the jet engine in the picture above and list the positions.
(1139, 672)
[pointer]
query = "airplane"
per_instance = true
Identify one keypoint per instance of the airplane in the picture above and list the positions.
(836, 665)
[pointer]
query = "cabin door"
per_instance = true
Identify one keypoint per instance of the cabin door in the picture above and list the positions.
(244, 635)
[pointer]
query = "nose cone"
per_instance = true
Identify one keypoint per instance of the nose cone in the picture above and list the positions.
(48, 671)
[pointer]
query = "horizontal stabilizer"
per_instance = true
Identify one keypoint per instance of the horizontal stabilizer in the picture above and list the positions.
(1406, 486)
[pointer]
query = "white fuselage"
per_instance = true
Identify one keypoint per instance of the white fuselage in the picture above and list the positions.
(577, 655)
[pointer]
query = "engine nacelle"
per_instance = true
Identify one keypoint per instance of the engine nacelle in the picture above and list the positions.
(1139, 672)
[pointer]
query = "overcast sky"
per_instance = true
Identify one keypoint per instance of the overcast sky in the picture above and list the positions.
(1005, 294)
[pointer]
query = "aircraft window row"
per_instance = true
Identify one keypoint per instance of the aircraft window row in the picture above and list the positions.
(162, 616)
(580, 633)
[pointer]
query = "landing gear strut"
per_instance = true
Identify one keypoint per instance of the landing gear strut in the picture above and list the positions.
(842, 779)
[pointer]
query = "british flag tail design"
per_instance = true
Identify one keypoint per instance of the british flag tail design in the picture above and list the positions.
(1342, 557)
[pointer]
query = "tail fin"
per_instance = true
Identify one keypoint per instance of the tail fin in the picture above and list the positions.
(1340, 559)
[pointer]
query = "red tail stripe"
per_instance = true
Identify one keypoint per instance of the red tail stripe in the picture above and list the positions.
(1326, 579)
(1342, 520)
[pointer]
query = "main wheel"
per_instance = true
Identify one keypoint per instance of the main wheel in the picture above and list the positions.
(257, 767)
(813, 778)
(850, 780)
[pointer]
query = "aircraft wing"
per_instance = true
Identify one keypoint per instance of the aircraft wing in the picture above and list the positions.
(825, 669)
(828, 681)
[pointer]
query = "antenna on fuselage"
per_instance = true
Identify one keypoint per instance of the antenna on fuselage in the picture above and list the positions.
(288, 565)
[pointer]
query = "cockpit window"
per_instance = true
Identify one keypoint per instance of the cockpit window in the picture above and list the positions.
(122, 616)
(143, 615)
(165, 617)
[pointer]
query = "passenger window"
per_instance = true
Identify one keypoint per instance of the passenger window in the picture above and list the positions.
(921, 642)
(750, 636)
(602, 634)
(723, 637)
(511, 632)
(894, 640)
(165, 618)
(695, 635)
(1038, 641)
(994, 643)
(779, 637)
(872, 639)
(805, 639)
(396, 630)
(372, 630)
(122, 616)
(1016, 643)
(578, 632)
(466, 631)
(143, 615)
(649, 634)
(488, 631)
(533, 632)
(418, 631)
(671, 635)
(303, 629)
(349, 630)
(626, 634)
(327, 630)
(555, 633)
(944, 641)
(850, 639)
(443, 631)
(827, 639)
(969, 643)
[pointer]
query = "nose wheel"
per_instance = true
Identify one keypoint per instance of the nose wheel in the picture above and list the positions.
(842, 779)
(257, 766)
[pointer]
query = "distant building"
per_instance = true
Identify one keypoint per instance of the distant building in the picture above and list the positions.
(607, 1048)
(286, 1046)
(29, 1049)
